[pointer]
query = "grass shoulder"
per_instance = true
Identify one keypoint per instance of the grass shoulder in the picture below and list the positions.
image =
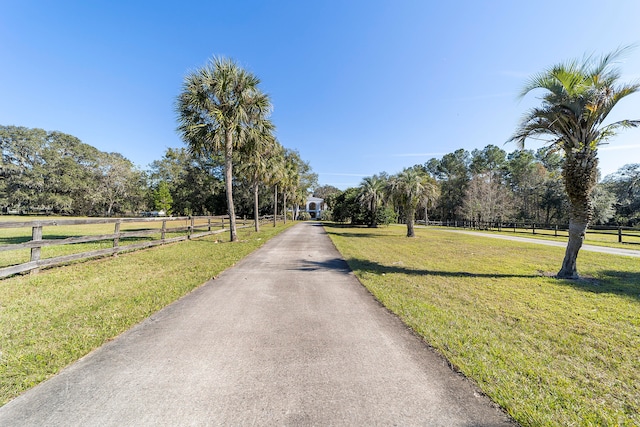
(549, 351)
(51, 319)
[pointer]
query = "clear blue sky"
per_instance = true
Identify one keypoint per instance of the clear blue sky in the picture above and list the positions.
(358, 87)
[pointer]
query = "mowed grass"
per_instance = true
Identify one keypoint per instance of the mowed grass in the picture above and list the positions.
(53, 318)
(551, 352)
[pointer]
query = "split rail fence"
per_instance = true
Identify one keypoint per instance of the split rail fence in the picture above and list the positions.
(128, 234)
(626, 235)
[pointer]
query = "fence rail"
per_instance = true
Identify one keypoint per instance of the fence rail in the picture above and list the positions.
(159, 230)
(627, 235)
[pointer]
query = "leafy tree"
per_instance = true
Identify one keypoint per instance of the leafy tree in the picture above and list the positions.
(162, 199)
(325, 192)
(603, 204)
(625, 184)
(578, 97)
(195, 182)
(218, 107)
(348, 208)
(452, 171)
(120, 186)
(525, 176)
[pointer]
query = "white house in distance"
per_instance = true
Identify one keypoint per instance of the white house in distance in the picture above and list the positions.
(315, 206)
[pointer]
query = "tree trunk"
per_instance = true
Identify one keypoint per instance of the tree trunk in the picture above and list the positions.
(284, 206)
(228, 183)
(569, 268)
(580, 176)
(275, 205)
(256, 214)
(410, 218)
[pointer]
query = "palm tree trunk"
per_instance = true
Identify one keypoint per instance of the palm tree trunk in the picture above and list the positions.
(411, 213)
(228, 182)
(256, 214)
(275, 205)
(580, 174)
(577, 231)
(284, 206)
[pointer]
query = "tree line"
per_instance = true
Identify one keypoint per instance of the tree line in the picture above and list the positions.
(489, 185)
(49, 172)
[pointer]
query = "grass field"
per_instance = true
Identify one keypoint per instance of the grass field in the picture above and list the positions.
(53, 318)
(551, 352)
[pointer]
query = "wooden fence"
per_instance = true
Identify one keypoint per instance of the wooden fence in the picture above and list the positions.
(149, 232)
(622, 234)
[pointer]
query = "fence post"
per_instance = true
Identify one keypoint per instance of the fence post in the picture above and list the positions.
(190, 230)
(36, 235)
(116, 235)
(223, 223)
(556, 228)
(164, 229)
(533, 227)
(209, 224)
(619, 234)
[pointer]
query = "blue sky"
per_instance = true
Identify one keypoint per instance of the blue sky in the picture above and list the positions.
(358, 87)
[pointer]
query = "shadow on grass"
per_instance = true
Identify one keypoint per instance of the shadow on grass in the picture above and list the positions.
(340, 265)
(333, 229)
(623, 283)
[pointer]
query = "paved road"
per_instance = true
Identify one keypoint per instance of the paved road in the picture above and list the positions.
(286, 337)
(590, 248)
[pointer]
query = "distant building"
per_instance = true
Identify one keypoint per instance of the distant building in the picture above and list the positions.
(315, 206)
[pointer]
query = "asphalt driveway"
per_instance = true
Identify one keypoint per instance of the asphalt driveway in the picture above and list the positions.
(286, 337)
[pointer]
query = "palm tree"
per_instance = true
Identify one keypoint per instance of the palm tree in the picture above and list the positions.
(254, 166)
(218, 104)
(290, 181)
(577, 100)
(274, 176)
(409, 189)
(429, 195)
(371, 194)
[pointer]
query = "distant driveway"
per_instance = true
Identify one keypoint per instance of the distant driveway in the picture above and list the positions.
(286, 337)
(591, 248)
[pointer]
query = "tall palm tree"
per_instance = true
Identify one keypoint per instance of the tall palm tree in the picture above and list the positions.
(254, 160)
(218, 104)
(274, 176)
(371, 195)
(290, 181)
(430, 195)
(409, 189)
(577, 100)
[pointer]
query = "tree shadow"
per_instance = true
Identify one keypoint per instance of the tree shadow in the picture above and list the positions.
(332, 229)
(373, 267)
(355, 264)
(334, 264)
(622, 283)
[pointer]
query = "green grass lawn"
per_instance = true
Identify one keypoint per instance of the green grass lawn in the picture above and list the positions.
(51, 319)
(551, 352)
